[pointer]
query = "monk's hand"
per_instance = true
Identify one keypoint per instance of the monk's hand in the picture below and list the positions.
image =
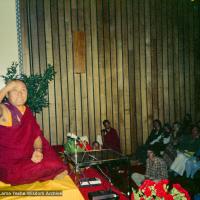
(37, 156)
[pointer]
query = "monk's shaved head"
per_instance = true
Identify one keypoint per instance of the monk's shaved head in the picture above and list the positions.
(17, 94)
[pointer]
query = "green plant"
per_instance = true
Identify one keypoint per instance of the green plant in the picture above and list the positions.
(37, 85)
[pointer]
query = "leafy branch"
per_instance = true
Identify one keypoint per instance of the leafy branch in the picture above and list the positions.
(37, 85)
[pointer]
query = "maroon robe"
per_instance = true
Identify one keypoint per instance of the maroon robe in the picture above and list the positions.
(16, 149)
(111, 140)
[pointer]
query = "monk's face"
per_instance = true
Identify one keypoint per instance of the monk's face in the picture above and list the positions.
(18, 94)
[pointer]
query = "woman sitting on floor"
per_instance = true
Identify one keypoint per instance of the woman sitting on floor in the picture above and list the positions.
(170, 151)
(188, 145)
(193, 165)
(154, 139)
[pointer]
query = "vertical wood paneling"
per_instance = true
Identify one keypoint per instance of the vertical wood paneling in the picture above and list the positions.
(83, 75)
(79, 52)
(126, 81)
(165, 61)
(63, 68)
(181, 58)
(87, 12)
(186, 57)
(106, 28)
(191, 50)
(196, 44)
(133, 126)
(43, 61)
(175, 63)
(143, 69)
(120, 74)
(25, 41)
(142, 63)
(77, 77)
(170, 53)
(159, 60)
(95, 67)
(56, 62)
(49, 58)
(100, 32)
(148, 63)
(35, 44)
(137, 71)
(113, 63)
(154, 65)
(72, 111)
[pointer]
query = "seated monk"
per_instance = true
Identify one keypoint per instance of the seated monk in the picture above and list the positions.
(25, 155)
(110, 137)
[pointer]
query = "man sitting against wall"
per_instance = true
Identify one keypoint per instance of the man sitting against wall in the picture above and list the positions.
(25, 155)
(110, 137)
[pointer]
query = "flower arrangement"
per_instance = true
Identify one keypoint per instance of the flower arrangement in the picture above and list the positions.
(161, 190)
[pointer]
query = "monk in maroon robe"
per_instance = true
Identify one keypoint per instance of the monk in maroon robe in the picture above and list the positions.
(110, 137)
(25, 155)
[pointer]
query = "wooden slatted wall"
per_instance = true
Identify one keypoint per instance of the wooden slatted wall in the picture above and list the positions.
(142, 63)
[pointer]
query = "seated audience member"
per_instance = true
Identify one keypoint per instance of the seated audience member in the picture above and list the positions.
(156, 168)
(187, 123)
(170, 151)
(154, 139)
(193, 165)
(110, 137)
(187, 146)
(177, 130)
(96, 146)
(156, 133)
(166, 135)
(198, 124)
(25, 155)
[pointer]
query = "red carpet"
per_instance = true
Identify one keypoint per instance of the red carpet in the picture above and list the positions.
(91, 173)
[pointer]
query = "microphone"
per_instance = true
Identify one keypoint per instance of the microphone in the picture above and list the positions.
(78, 139)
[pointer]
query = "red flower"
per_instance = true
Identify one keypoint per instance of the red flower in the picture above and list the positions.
(164, 181)
(132, 196)
(160, 193)
(147, 192)
(180, 189)
(159, 187)
(146, 183)
(168, 197)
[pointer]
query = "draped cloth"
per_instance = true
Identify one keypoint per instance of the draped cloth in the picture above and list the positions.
(16, 149)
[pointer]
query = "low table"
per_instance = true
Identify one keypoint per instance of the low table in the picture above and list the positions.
(97, 158)
(94, 157)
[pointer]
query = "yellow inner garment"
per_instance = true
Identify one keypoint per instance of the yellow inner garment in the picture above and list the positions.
(8, 117)
(66, 186)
